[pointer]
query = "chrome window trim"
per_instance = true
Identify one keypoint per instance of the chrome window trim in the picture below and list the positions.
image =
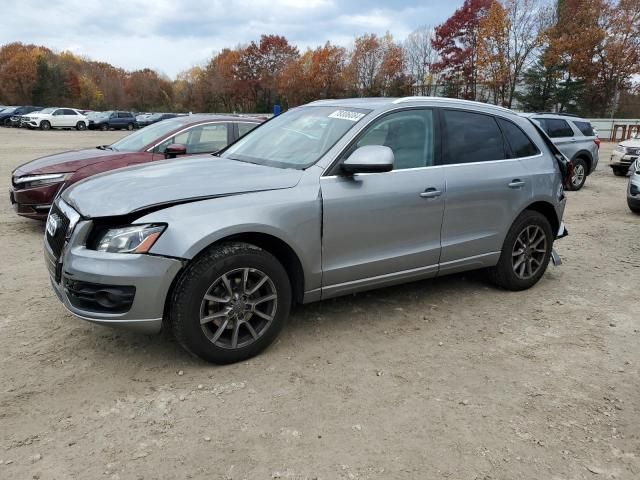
(440, 166)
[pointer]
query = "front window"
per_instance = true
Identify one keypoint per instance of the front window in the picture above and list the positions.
(296, 139)
(148, 135)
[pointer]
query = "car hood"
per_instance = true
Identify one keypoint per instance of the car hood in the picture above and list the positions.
(632, 143)
(172, 182)
(67, 161)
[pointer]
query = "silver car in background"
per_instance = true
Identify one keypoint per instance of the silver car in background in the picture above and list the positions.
(327, 199)
(576, 139)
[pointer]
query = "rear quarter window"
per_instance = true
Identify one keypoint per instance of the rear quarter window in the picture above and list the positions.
(585, 128)
(517, 140)
(556, 128)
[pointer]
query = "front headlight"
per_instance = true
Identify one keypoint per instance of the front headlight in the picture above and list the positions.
(131, 239)
(637, 166)
(621, 149)
(30, 181)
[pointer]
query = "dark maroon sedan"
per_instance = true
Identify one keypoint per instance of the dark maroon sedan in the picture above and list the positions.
(36, 183)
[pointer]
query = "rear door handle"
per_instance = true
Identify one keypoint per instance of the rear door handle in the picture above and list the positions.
(431, 193)
(517, 183)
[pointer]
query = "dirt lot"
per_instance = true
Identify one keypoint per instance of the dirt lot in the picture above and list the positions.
(437, 379)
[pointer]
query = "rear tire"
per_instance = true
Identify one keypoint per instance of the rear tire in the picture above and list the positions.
(579, 174)
(130, 126)
(212, 311)
(522, 261)
(45, 125)
(620, 171)
(81, 126)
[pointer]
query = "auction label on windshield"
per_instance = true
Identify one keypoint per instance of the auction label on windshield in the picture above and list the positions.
(347, 115)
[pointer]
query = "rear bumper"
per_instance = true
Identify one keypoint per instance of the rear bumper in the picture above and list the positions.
(149, 277)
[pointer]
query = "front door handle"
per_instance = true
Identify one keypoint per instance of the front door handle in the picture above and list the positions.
(517, 183)
(431, 193)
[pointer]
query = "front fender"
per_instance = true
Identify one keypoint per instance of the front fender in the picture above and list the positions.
(291, 215)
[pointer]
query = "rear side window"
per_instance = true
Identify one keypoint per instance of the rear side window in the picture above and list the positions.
(68, 111)
(124, 115)
(585, 128)
(517, 140)
(471, 138)
(555, 128)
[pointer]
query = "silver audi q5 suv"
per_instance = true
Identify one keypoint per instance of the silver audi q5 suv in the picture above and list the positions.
(334, 197)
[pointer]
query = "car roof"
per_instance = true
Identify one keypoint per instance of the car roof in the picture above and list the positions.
(558, 116)
(383, 103)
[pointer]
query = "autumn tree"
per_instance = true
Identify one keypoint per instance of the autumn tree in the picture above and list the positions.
(456, 41)
(376, 66)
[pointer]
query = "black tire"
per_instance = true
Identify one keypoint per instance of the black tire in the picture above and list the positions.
(104, 127)
(198, 280)
(633, 208)
(620, 171)
(7, 122)
(130, 126)
(45, 125)
(580, 170)
(504, 273)
(81, 126)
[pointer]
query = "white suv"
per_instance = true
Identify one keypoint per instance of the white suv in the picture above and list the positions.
(53, 117)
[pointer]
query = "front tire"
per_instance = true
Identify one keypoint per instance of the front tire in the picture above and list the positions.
(81, 126)
(525, 253)
(230, 303)
(104, 127)
(620, 171)
(45, 125)
(579, 174)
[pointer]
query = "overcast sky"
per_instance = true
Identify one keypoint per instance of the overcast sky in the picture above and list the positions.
(173, 35)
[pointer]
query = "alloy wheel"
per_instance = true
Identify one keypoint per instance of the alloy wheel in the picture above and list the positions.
(529, 252)
(578, 175)
(238, 308)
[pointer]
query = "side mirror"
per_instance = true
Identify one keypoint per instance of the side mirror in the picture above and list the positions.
(369, 159)
(175, 149)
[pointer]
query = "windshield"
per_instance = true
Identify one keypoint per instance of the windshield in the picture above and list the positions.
(297, 138)
(48, 110)
(152, 134)
(9, 109)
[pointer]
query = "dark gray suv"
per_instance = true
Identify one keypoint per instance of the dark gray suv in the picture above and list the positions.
(331, 198)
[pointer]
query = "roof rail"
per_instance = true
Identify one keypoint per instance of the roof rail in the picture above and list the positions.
(446, 99)
(560, 114)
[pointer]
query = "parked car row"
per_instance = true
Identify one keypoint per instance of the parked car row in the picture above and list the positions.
(55, 117)
(330, 198)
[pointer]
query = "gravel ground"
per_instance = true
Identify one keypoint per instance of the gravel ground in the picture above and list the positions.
(449, 378)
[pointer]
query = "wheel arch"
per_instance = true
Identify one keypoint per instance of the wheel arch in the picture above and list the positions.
(277, 247)
(586, 156)
(548, 210)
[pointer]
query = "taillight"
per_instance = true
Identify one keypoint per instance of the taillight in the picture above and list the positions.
(597, 142)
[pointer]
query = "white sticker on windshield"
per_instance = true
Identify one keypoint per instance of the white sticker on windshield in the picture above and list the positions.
(347, 115)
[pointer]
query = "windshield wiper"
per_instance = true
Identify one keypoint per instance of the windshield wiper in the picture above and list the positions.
(104, 147)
